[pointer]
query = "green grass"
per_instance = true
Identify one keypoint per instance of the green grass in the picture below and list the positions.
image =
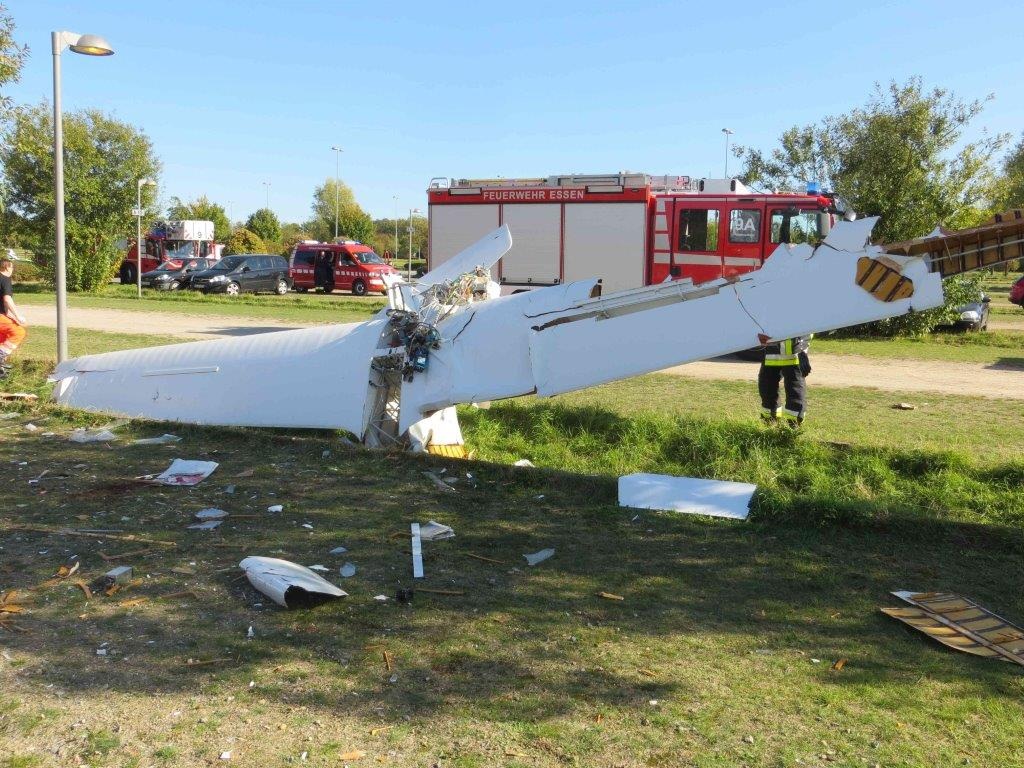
(1004, 347)
(527, 667)
(799, 477)
(988, 430)
(41, 343)
(293, 307)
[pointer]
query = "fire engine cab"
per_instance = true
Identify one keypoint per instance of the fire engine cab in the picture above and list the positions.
(628, 229)
(171, 241)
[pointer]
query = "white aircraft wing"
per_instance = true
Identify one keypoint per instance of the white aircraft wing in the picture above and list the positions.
(382, 378)
(486, 252)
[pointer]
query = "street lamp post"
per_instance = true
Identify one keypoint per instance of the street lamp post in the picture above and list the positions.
(727, 133)
(411, 212)
(337, 186)
(138, 231)
(88, 45)
(267, 185)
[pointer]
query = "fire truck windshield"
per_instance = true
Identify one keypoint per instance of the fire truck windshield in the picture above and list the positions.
(177, 249)
(368, 257)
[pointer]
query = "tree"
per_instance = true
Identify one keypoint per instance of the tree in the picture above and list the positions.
(292, 235)
(12, 58)
(1010, 187)
(900, 156)
(202, 209)
(265, 224)
(353, 222)
(104, 158)
(244, 241)
(383, 238)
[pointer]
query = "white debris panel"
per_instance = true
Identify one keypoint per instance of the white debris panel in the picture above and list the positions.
(691, 495)
(449, 340)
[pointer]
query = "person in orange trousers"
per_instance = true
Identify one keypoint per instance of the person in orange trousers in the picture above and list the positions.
(12, 323)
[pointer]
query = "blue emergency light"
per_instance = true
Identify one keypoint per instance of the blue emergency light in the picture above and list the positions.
(813, 188)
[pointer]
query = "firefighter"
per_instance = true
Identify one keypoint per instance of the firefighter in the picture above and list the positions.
(12, 323)
(786, 360)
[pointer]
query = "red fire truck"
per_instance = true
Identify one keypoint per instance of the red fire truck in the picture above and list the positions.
(628, 229)
(171, 241)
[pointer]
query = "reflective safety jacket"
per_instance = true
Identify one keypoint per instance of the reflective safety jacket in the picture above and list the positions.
(786, 352)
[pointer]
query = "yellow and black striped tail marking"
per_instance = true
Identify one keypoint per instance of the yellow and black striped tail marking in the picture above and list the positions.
(962, 624)
(882, 279)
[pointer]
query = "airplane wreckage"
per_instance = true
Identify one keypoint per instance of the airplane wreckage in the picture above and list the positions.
(451, 339)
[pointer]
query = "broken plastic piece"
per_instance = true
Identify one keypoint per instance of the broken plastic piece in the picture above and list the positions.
(347, 571)
(539, 557)
(208, 525)
(524, 463)
(82, 435)
(338, 551)
(718, 498)
(435, 531)
(120, 575)
(417, 551)
(183, 472)
(288, 584)
(275, 508)
(441, 484)
(164, 439)
(211, 513)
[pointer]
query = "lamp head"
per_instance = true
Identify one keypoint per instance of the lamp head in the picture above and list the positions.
(92, 45)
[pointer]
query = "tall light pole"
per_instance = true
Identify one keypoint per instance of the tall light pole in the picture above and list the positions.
(337, 186)
(138, 230)
(411, 212)
(89, 45)
(267, 185)
(395, 198)
(727, 133)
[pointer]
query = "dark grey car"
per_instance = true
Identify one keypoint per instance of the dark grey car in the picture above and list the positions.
(248, 273)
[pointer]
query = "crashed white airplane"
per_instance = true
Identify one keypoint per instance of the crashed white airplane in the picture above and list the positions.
(450, 339)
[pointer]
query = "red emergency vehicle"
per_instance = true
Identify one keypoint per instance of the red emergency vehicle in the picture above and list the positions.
(628, 229)
(348, 265)
(172, 241)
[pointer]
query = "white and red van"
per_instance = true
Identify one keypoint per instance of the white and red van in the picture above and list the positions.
(349, 266)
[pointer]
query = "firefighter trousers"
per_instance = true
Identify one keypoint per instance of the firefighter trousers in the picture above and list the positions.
(796, 391)
(11, 336)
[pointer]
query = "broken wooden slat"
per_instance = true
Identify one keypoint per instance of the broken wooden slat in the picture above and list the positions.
(962, 624)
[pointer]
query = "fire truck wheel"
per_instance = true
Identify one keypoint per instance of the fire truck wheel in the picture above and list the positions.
(358, 288)
(282, 287)
(127, 274)
(233, 289)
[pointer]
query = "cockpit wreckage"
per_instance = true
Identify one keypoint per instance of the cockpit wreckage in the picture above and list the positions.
(451, 339)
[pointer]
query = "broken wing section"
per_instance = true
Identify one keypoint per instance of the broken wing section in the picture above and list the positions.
(485, 252)
(558, 339)
(798, 292)
(313, 377)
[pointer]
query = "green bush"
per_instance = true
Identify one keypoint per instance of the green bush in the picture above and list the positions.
(244, 241)
(959, 290)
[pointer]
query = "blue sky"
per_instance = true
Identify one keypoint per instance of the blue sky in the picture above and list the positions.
(237, 93)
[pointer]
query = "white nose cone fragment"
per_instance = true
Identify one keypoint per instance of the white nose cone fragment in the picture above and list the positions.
(287, 584)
